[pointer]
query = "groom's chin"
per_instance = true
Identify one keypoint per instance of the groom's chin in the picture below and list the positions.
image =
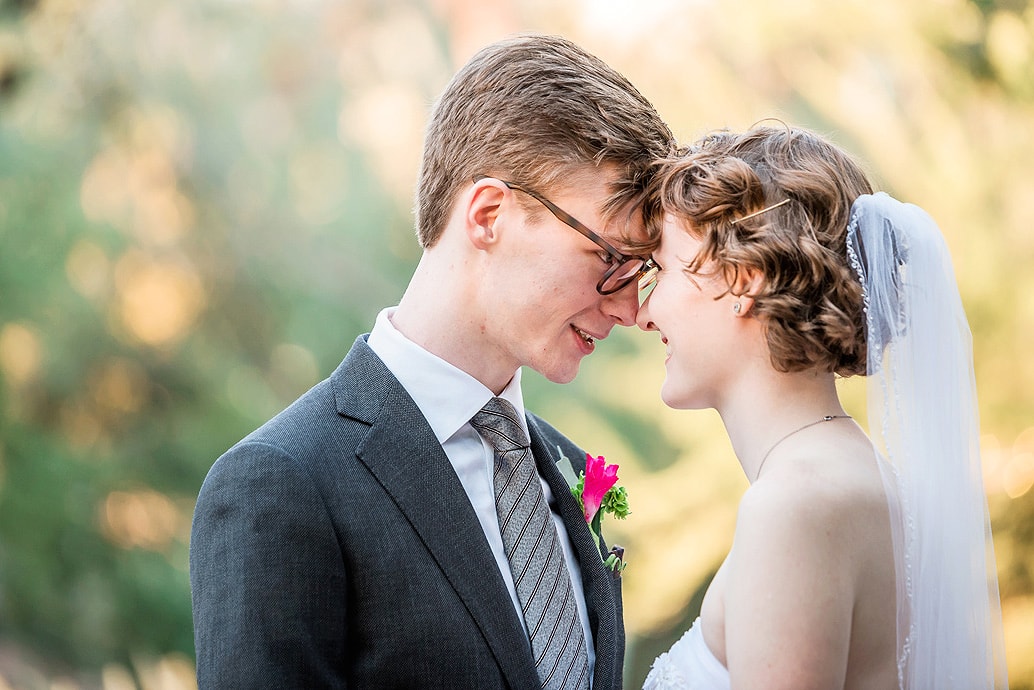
(558, 370)
(565, 375)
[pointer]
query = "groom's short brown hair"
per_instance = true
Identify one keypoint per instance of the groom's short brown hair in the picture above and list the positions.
(535, 109)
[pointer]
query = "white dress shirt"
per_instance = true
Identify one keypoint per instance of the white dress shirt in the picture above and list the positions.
(448, 398)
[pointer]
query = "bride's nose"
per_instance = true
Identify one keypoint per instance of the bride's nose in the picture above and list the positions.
(642, 319)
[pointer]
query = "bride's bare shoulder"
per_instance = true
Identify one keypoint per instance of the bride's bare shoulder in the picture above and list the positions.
(825, 491)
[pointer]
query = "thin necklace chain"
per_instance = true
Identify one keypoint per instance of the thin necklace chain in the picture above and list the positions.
(827, 418)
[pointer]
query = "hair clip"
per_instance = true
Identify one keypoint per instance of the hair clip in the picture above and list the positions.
(764, 210)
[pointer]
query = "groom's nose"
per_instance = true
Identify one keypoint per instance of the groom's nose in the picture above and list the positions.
(623, 305)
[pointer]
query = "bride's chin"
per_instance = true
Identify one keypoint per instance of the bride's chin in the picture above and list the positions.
(673, 401)
(678, 399)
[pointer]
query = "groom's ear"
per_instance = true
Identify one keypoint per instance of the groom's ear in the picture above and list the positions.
(745, 283)
(483, 205)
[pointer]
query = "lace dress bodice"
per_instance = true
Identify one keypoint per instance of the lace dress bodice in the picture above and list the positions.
(688, 665)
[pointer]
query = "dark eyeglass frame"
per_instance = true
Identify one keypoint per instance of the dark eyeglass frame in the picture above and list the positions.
(617, 259)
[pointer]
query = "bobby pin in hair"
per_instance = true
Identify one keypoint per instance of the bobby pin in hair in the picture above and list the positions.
(758, 213)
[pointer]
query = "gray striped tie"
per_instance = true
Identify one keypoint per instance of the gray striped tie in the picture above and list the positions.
(533, 549)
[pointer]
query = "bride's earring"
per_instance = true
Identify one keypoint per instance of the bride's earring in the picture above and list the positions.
(736, 308)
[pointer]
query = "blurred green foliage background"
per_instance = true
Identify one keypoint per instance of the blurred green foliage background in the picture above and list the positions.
(203, 202)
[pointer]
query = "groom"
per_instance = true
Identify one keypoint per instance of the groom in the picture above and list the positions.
(355, 539)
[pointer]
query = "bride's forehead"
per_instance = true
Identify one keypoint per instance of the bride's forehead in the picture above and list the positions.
(676, 236)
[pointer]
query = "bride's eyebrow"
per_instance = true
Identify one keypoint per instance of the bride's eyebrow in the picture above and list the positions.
(690, 274)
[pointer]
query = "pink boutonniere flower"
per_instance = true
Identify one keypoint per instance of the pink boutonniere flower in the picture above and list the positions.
(598, 493)
(596, 482)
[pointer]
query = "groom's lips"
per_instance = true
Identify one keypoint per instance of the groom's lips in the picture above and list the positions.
(587, 340)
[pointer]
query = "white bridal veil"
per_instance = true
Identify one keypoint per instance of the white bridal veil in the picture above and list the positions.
(923, 421)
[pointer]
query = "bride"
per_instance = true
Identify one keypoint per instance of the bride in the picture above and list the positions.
(859, 561)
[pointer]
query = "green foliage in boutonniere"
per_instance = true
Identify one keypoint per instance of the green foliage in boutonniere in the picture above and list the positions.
(597, 493)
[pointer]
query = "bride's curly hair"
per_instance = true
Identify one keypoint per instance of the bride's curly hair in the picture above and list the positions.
(810, 299)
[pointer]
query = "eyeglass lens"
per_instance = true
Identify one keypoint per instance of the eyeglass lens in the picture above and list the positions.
(621, 275)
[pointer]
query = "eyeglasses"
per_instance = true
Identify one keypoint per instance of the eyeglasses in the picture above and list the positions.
(624, 269)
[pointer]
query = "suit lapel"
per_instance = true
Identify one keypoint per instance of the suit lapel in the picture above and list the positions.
(599, 584)
(404, 456)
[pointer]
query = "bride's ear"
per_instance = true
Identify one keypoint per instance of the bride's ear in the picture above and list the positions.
(746, 283)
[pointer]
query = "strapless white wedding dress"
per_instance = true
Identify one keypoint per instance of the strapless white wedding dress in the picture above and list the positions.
(688, 665)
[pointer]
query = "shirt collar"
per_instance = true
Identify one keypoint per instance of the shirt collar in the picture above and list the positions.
(447, 396)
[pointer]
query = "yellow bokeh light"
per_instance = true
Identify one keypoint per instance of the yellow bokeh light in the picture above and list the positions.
(81, 426)
(119, 385)
(1018, 620)
(1009, 45)
(21, 353)
(393, 152)
(103, 191)
(992, 459)
(116, 677)
(1018, 476)
(1008, 469)
(88, 269)
(144, 518)
(170, 672)
(162, 216)
(158, 299)
(133, 183)
(293, 368)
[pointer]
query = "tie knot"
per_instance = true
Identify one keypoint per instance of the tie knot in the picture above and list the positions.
(497, 423)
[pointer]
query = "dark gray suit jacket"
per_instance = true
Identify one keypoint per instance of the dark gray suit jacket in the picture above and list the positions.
(335, 547)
